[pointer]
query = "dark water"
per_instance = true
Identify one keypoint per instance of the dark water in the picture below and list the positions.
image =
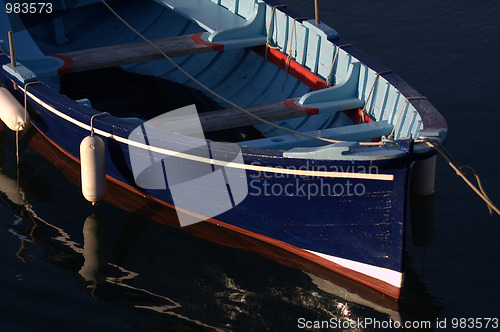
(152, 277)
(447, 50)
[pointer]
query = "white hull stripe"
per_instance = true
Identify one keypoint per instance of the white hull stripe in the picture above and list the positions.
(349, 175)
(390, 276)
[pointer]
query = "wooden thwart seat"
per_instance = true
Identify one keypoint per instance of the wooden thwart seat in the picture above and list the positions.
(123, 54)
(238, 27)
(233, 118)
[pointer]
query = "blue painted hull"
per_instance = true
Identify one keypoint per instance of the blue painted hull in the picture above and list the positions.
(353, 224)
(364, 223)
(361, 220)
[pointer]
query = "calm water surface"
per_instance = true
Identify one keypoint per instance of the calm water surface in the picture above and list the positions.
(151, 277)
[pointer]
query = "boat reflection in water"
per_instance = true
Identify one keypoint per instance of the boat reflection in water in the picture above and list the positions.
(126, 259)
(94, 250)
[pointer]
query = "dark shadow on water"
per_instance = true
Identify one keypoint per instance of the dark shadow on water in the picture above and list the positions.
(422, 219)
(417, 304)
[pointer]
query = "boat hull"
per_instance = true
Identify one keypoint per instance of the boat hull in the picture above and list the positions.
(251, 233)
(137, 203)
(351, 222)
(344, 214)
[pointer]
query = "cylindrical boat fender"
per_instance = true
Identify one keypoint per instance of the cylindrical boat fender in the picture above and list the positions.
(422, 176)
(93, 168)
(11, 111)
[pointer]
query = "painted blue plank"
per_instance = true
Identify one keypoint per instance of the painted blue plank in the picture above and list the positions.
(239, 87)
(379, 111)
(281, 31)
(299, 43)
(214, 75)
(383, 94)
(264, 80)
(253, 33)
(245, 8)
(398, 103)
(407, 122)
(327, 52)
(370, 82)
(400, 118)
(207, 14)
(313, 45)
(358, 132)
(347, 89)
(229, 4)
(391, 101)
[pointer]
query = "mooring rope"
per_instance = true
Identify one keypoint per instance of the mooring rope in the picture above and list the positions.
(328, 78)
(391, 136)
(460, 171)
(26, 98)
(363, 110)
(290, 57)
(92, 121)
(21, 125)
(268, 39)
(215, 94)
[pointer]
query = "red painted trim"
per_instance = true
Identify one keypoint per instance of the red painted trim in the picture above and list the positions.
(355, 115)
(197, 39)
(308, 78)
(294, 68)
(68, 62)
(309, 110)
(374, 283)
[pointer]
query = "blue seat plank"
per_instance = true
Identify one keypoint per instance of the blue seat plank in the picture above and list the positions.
(207, 14)
(358, 132)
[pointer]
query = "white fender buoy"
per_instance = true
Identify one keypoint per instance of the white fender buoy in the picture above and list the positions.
(93, 168)
(11, 111)
(422, 176)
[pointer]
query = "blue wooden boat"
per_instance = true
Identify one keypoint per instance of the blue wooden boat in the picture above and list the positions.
(326, 149)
